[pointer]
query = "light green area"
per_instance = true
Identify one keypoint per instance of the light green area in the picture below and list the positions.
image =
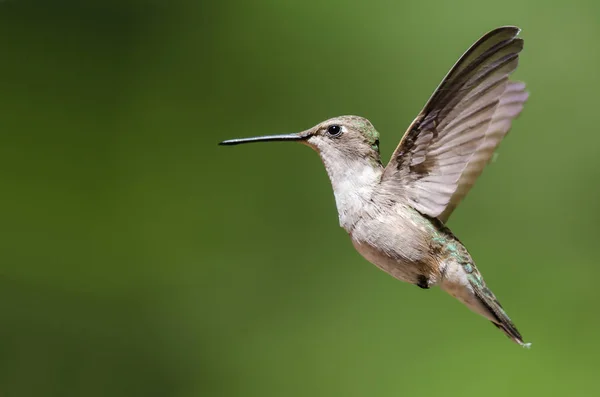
(468, 268)
(372, 134)
(368, 132)
(138, 258)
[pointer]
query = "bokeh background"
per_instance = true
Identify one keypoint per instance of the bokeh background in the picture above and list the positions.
(138, 258)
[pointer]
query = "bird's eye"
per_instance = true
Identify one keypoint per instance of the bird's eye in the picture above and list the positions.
(334, 130)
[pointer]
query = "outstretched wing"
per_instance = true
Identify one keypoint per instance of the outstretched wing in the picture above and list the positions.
(449, 143)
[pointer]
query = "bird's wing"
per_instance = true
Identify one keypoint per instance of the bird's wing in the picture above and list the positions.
(452, 139)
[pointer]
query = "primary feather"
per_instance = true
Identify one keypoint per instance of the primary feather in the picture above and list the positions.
(452, 139)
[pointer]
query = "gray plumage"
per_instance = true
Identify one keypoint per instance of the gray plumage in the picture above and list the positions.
(395, 215)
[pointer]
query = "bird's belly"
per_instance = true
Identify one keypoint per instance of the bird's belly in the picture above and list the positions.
(400, 268)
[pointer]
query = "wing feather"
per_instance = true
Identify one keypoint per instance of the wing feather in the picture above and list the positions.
(511, 104)
(454, 136)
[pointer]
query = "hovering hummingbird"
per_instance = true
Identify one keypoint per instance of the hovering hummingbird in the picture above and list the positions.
(396, 215)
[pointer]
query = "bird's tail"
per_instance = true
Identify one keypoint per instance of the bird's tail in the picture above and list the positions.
(497, 316)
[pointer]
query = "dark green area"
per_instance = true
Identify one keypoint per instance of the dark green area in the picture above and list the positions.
(138, 258)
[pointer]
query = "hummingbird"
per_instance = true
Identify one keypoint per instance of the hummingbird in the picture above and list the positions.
(396, 214)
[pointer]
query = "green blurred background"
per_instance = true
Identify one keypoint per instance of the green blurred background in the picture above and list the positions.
(138, 258)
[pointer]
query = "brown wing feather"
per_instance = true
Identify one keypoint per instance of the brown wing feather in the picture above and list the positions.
(435, 152)
(511, 104)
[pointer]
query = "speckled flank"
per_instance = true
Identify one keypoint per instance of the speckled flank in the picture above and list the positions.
(444, 242)
(474, 293)
(477, 281)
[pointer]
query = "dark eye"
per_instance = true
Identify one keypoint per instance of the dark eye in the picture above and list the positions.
(334, 130)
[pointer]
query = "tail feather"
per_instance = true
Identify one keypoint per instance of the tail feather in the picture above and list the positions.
(500, 318)
(512, 333)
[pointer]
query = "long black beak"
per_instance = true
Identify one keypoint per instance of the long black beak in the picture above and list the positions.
(268, 138)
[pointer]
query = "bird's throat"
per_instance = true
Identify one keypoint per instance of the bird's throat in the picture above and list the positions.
(353, 183)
